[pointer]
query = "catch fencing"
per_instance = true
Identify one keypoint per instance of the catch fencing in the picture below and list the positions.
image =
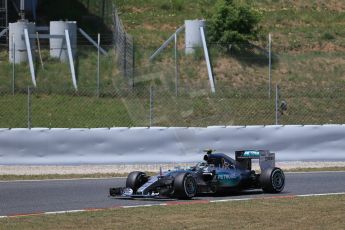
(124, 47)
(152, 106)
(173, 90)
(122, 41)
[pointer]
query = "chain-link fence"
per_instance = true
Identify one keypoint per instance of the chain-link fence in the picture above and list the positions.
(124, 47)
(92, 70)
(122, 41)
(174, 92)
(153, 106)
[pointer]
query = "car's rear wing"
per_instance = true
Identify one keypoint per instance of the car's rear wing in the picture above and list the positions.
(266, 158)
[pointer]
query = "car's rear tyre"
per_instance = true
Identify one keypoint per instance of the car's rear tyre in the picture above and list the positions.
(272, 180)
(185, 186)
(135, 180)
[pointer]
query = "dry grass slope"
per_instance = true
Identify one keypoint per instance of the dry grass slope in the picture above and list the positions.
(290, 213)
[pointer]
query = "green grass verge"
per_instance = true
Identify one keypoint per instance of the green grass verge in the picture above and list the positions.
(132, 108)
(295, 213)
(56, 75)
(68, 111)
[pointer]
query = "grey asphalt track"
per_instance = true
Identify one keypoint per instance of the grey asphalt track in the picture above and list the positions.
(27, 197)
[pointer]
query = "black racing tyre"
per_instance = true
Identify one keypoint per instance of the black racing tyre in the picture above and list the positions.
(135, 180)
(185, 186)
(272, 180)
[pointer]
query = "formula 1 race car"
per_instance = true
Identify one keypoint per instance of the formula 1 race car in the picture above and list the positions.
(217, 173)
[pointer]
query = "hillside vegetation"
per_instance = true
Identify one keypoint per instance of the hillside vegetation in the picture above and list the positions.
(293, 24)
(308, 40)
(308, 64)
(308, 45)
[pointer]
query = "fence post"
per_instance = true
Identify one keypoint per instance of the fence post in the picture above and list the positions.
(124, 55)
(39, 49)
(132, 73)
(114, 23)
(13, 65)
(117, 29)
(277, 104)
(98, 64)
(269, 64)
(29, 107)
(151, 105)
(176, 67)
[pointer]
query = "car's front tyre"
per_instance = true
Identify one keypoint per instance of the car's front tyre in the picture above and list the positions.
(185, 186)
(135, 180)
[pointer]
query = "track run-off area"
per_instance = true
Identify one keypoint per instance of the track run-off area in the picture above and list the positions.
(22, 198)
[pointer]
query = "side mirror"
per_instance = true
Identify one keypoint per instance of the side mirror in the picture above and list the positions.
(209, 151)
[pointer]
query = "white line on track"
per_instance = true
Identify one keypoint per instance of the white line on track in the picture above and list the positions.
(314, 172)
(228, 200)
(166, 204)
(322, 194)
(63, 212)
(141, 206)
(278, 197)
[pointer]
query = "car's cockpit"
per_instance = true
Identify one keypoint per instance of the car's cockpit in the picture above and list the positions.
(219, 160)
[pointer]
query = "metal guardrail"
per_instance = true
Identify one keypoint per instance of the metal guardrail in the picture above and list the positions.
(166, 145)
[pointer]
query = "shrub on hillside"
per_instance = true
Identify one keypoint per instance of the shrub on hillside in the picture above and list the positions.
(233, 23)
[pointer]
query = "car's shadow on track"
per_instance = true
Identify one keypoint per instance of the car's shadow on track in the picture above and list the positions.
(232, 194)
(143, 199)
